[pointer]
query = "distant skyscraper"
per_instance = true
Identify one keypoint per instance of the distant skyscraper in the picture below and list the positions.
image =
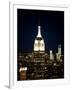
(39, 44)
(51, 55)
(58, 55)
(59, 49)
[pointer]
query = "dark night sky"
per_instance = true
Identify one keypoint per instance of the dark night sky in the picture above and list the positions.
(52, 29)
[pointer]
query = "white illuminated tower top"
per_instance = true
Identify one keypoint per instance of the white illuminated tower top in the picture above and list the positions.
(39, 44)
(39, 32)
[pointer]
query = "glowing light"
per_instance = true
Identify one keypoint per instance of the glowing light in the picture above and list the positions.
(39, 44)
(51, 55)
(22, 69)
(39, 32)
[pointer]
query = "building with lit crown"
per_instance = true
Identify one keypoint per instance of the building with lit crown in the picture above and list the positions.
(39, 44)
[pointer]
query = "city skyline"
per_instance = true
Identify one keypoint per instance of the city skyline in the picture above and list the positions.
(40, 44)
(52, 29)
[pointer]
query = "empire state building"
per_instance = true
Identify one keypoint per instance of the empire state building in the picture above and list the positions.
(39, 44)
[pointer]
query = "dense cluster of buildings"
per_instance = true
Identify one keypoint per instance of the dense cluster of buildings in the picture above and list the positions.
(38, 64)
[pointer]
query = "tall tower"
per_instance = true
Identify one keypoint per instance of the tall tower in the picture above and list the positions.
(58, 55)
(39, 44)
(51, 55)
(59, 49)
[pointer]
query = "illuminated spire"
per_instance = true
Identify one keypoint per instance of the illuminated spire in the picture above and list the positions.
(39, 32)
(39, 44)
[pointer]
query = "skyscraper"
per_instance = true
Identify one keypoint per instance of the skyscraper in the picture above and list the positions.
(39, 44)
(58, 55)
(59, 49)
(51, 55)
